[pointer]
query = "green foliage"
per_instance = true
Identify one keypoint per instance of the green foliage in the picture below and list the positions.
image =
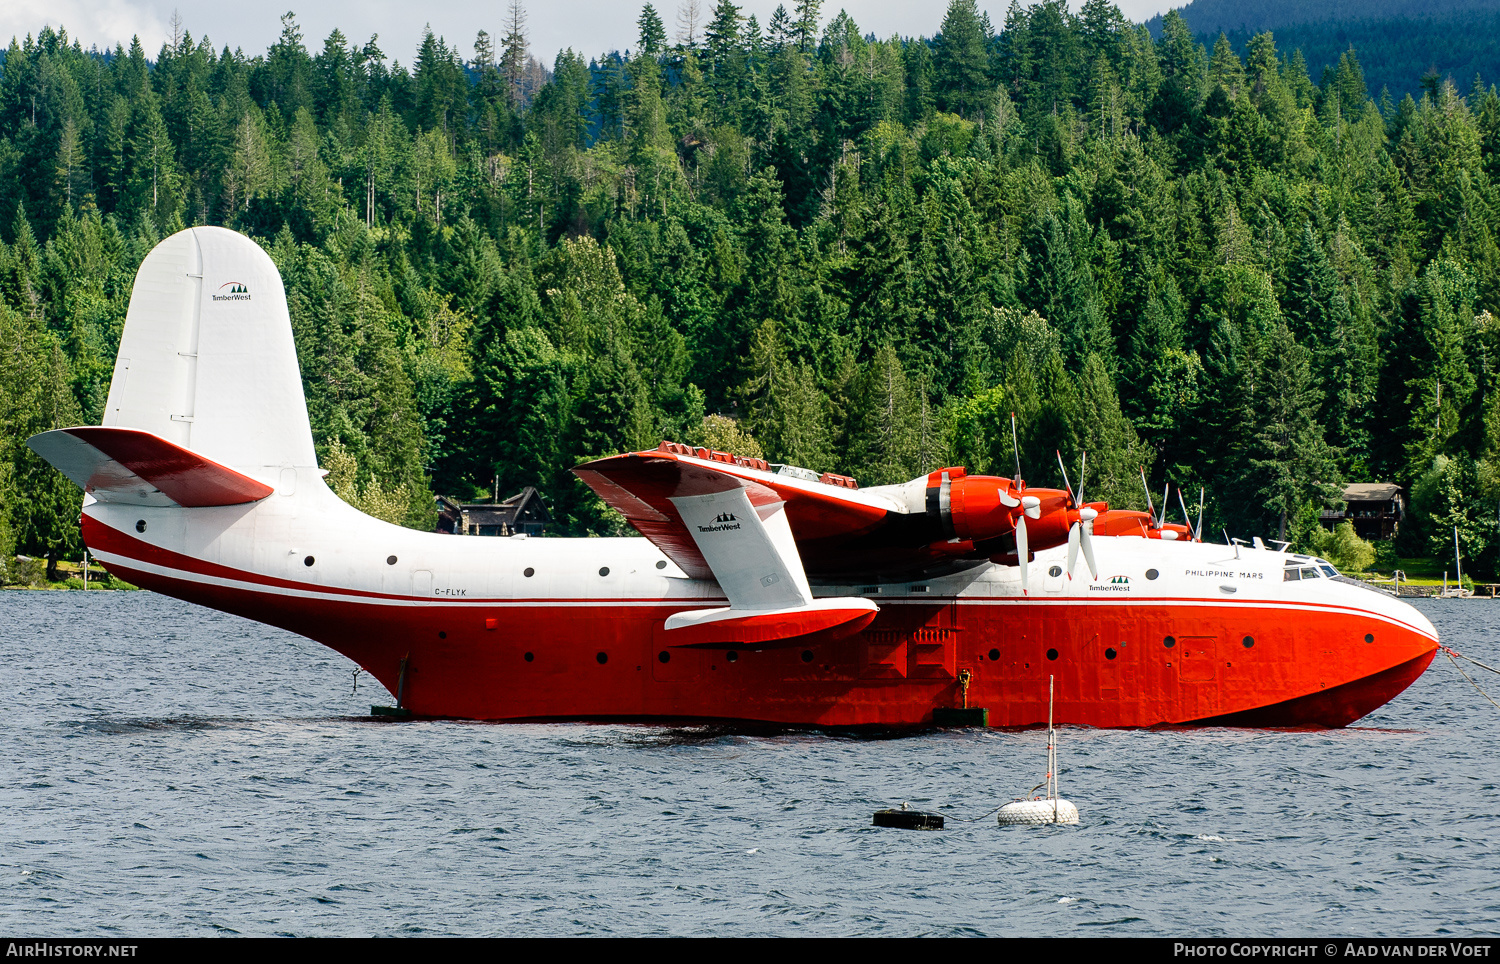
(866, 254)
(1342, 547)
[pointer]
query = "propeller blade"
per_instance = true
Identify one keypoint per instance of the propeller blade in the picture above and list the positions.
(1150, 506)
(1198, 533)
(1008, 500)
(1167, 487)
(1067, 485)
(1075, 534)
(1187, 519)
(1031, 507)
(1023, 554)
(1086, 539)
(1083, 468)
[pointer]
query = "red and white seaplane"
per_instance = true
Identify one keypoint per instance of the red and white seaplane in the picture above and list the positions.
(759, 593)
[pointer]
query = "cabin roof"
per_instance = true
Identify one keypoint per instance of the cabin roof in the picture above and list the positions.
(1371, 491)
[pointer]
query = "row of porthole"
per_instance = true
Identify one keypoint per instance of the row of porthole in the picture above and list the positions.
(664, 656)
(140, 526)
(529, 571)
(1056, 571)
(1169, 642)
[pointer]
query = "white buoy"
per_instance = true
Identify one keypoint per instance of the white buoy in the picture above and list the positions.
(1048, 809)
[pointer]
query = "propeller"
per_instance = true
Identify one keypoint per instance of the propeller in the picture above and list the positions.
(1198, 532)
(1023, 555)
(1081, 532)
(1031, 508)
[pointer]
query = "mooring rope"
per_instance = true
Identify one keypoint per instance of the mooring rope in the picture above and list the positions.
(1451, 653)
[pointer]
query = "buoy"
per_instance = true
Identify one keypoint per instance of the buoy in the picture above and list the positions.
(905, 818)
(1032, 812)
(1048, 809)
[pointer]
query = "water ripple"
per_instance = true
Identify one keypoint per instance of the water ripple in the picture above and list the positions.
(176, 771)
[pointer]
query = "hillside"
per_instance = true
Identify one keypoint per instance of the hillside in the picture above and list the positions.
(1397, 42)
(1253, 16)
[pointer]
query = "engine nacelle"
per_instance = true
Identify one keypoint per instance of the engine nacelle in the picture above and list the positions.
(985, 508)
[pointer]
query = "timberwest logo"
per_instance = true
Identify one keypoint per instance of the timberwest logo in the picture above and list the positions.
(722, 523)
(1112, 584)
(233, 291)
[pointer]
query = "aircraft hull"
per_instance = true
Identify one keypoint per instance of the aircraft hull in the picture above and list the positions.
(1308, 664)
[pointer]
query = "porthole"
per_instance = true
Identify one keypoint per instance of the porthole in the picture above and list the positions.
(442, 634)
(308, 561)
(732, 656)
(807, 656)
(1052, 654)
(1169, 642)
(661, 563)
(603, 570)
(664, 657)
(995, 655)
(1110, 654)
(1055, 571)
(529, 657)
(1152, 573)
(1248, 641)
(601, 658)
(140, 525)
(529, 572)
(390, 560)
(1369, 637)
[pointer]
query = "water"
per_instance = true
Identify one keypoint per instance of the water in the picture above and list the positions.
(173, 771)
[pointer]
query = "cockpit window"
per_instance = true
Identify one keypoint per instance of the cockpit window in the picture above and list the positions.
(1328, 570)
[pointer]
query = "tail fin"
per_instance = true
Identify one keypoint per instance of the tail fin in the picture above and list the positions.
(207, 360)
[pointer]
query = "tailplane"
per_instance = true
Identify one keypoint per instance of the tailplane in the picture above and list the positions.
(131, 467)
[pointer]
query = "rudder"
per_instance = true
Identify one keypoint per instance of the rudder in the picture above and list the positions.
(207, 360)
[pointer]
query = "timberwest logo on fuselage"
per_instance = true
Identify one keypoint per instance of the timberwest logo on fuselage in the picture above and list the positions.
(724, 522)
(1114, 584)
(232, 291)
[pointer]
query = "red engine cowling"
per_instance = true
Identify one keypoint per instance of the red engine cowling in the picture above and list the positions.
(983, 508)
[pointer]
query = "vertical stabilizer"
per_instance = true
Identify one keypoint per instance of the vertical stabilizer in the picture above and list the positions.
(207, 359)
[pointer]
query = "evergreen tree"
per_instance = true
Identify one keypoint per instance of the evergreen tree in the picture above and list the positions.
(961, 63)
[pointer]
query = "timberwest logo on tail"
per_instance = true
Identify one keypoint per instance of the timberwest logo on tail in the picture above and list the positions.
(202, 482)
(233, 291)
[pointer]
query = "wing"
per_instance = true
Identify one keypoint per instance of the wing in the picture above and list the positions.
(130, 466)
(839, 531)
(645, 487)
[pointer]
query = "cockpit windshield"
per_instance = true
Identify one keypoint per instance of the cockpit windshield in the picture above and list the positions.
(1307, 567)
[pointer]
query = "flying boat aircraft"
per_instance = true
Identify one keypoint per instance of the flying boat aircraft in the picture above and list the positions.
(759, 592)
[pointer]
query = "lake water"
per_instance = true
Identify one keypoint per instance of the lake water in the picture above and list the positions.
(174, 771)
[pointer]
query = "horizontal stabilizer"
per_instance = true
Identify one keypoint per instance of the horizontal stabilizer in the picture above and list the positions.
(836, 617)
(132, 467)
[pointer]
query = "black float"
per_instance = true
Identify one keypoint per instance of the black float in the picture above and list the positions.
(906, 818)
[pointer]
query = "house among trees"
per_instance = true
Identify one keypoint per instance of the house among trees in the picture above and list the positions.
(1375, 508)
(522, 514)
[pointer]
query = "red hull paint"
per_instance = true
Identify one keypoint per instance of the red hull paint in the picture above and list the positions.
(469, 660)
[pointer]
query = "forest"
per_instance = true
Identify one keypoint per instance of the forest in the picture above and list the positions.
(793, 240)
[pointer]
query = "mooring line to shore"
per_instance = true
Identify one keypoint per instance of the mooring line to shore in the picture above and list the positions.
(1451, 653)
